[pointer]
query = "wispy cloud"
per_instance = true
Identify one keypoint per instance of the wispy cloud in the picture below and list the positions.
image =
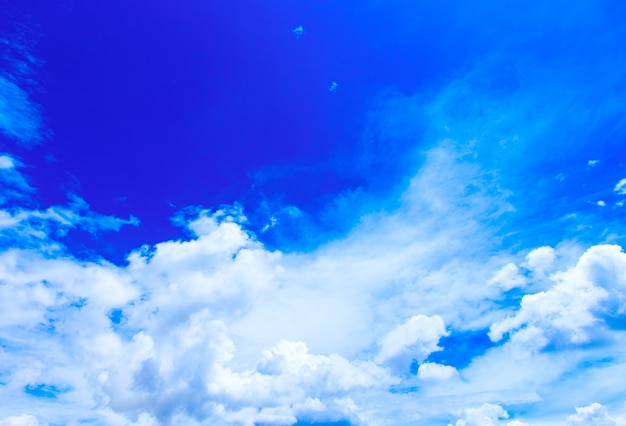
(14, 184)
(486, 414)
(20, 118)
(595, 414)
(21, 225)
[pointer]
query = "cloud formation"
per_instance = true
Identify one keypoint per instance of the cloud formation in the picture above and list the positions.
(187, 330)
(416, 338)
(486, 415)
(445, 304)
(572, 306)
(595, 414)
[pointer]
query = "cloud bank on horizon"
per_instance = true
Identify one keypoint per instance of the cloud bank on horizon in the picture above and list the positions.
(487, 287)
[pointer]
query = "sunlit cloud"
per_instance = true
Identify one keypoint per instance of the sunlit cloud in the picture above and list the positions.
(475, 291)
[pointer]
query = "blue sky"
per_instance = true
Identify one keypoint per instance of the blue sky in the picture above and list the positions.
(404, 214)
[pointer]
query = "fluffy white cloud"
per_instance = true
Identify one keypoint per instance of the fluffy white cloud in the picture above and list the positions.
(486, 415)
(508, 277)
(434, 371)
(533, 271)
(151, 339)
(299, 383)
(416, 338)
(570, 307)
(595, 414)
(540, 260)
(216, 329)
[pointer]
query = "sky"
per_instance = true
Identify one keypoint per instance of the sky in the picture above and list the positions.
(299, 212)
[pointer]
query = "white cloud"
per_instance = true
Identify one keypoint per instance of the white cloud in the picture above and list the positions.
(220, 329)
(20, 118)
(540, 260)
(486, 415)
(31, 227)
(171, 353)
(568, 309)
(288, 372)
(437, 372)
(25, 225)
(414, 339)
(6, 162)
(392, 266)
(174, 293)
(175, 352)
(217, 329)
(595, 414)
(23, 420)
(620, 187)
(188, 372)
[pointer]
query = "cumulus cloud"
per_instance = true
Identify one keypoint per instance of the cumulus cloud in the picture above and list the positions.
(151, 337)
(486, 415)
(186, 330)
(595, 414)
(216, 329)
(161, 338)
(508, 277)
(416, 338)
(434, 371)
(540, 260)
(300, 383)
(571, 306)
(23, 420)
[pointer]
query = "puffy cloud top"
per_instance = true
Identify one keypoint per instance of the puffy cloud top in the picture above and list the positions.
(416, 338)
